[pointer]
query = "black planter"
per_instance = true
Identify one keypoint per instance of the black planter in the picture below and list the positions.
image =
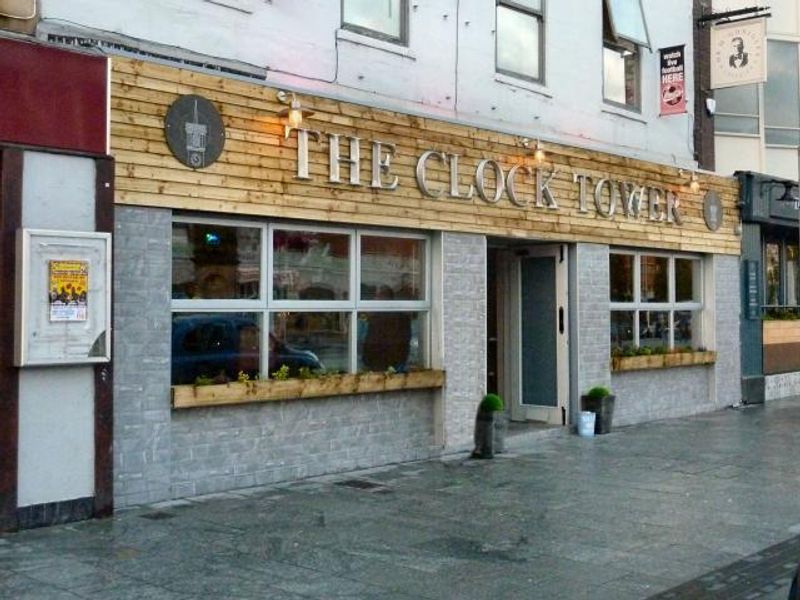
(603, 408)
(485, 435)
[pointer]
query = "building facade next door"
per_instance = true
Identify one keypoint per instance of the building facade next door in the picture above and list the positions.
(533, 332)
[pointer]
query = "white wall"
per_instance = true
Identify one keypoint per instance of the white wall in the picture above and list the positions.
(447, 69)
(56, 404)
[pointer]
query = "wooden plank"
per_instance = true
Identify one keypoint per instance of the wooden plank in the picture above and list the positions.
(270, 390)
(256, 172)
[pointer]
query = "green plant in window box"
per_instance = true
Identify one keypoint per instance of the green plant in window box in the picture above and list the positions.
(600, 401)
(203, 380)
(281, 374)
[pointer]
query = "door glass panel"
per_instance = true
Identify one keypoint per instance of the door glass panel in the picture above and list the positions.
(539, 330)
(773, 273)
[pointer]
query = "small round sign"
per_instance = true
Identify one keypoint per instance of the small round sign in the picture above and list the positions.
(712, 210)
(194, 131)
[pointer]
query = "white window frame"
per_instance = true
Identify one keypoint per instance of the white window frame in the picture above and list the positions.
(401, 40)
(265, 306)
(539, 15)
(671, 305)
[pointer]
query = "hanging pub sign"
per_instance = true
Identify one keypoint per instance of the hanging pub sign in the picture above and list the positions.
(673, 82)
(738, 53)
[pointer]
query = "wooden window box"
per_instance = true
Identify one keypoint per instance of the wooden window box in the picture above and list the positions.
(188, 396)
(781, 351)
(662, 361)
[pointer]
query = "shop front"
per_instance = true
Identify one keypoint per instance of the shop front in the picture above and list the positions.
(293, 299)
(769, 288)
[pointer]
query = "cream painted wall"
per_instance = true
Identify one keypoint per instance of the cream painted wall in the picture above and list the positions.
(447, 69)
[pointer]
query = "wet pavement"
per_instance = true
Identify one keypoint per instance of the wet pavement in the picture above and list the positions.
(702, 507)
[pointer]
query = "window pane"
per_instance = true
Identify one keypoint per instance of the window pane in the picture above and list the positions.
(773, 273)
(535, 5)
(620, 76)
(392, 268)
(517, 42)
(687, 280)
(628, 20)
(792, 276)
(213, 261)
(727, 124)
(738, 100)
(654, 279)
(781, 97)
(310, 265)
(390, 339)
(312, 340)
(621, 277)
(622, 329)
(382, 16)
(687, 329)
(782, 137)
(654, 329)
(215, 346)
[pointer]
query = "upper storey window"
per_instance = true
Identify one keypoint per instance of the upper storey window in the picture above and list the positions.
(520, 38)
(624, 34)
(382, 19)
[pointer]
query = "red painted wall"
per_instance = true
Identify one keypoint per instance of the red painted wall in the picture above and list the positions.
(53, 98)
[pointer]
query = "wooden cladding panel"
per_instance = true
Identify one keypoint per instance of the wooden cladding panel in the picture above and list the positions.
(256, 172)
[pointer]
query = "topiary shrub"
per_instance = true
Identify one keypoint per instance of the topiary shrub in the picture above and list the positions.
(598, 392)
(491, 403)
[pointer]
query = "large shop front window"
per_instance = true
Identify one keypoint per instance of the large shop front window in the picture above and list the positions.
(255, 300)
(656, 301)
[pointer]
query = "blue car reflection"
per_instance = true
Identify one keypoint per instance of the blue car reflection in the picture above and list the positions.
(221, 345)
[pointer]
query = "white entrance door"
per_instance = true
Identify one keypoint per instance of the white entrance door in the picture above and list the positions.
(536, 334)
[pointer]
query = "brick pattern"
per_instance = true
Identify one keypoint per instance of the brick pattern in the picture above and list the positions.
(141, 355)
(781, 386)
(464, 325)
(162, 454)
(594, 321)
(654, 394)
(727, 370)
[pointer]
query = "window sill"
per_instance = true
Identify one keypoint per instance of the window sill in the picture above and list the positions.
(629, 114)
(523, 84)
(190, 396)
(371, 42)
(662, 361)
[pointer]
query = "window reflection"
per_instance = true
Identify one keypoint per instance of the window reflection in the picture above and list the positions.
(312, 340)
(392, 268)
(622, 329)
(654, 276)
(518, 42)
(773, 273)
(621, 277)
(310, 265)
(383, 17)
(215, 347)
(390, 340)
(215, 262)
(654, 328)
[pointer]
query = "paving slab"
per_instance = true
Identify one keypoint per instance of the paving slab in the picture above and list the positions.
(700, 507)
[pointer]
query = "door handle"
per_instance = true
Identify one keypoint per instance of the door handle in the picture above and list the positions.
(560, 319)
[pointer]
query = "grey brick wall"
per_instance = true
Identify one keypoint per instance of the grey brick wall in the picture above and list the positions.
(162, 454)
(727, 370)
(590, 334)
(141, 355)
(661, 394)
(464, 327)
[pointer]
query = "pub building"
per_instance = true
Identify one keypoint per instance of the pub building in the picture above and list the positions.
(319, 286)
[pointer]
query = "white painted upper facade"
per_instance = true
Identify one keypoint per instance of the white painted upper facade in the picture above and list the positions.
(754, 151)
(447, 68)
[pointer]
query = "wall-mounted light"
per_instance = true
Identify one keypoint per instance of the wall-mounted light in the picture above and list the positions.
(538, 152)
(694, 183)
(295, 113)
